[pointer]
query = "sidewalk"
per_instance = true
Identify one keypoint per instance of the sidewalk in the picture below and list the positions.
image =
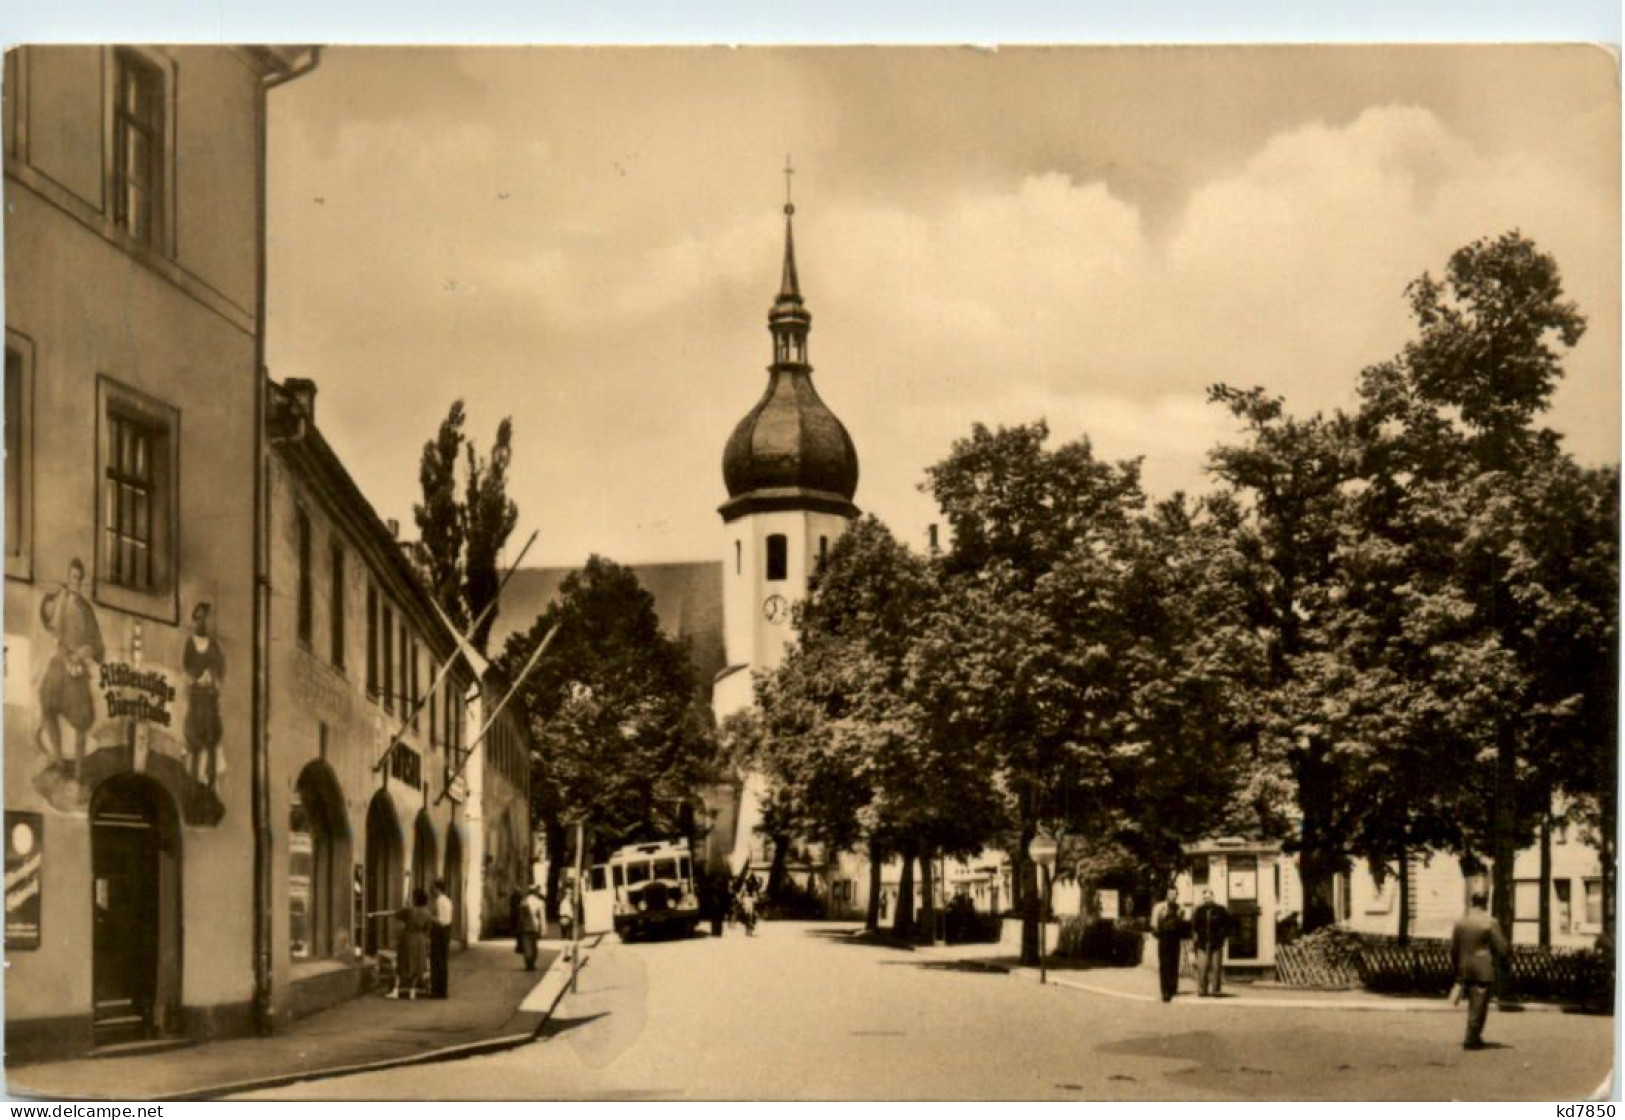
(489, 1009)
(1141, 984)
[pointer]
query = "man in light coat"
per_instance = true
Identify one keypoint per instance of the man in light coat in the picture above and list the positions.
(1477, 949)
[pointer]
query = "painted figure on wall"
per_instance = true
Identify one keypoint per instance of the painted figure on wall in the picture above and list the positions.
(65, 689)
(205, 664)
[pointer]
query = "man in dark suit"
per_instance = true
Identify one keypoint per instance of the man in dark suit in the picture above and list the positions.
(1477, 949)
(1168, 923)
(1210, 925)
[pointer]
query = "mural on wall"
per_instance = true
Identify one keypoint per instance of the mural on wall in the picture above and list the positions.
(106, 711)
(64, 689)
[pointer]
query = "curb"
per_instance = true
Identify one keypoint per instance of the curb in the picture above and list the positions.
(423, 1057)
(1411, 1007)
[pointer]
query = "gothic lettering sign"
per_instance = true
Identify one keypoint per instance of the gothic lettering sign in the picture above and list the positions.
(138, 694)
(407, 765)
(25, 854)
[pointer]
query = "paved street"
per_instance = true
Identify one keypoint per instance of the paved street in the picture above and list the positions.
(798, 1013)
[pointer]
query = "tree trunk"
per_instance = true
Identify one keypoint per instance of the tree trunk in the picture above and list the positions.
(903, 921)
(1404, 897)
(554, 833)
(1546, 879)
(1504, 839)
(776, 871)
(928, 904)
(1320, 857)
(877, 856)
(1031, 899)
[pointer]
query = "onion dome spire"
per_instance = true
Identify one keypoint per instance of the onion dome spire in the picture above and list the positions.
(789, 452)
(789, 320)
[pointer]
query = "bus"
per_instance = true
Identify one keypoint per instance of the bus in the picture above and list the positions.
(645, 889)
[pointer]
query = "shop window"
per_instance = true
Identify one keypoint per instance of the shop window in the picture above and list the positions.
(778, 557)
(138, 472)
(140, 141)
(318, 868)
(19, 451)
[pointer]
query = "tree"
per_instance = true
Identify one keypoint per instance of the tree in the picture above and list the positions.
(619, 738)
(1289, 476)
(1013, 668)
(459, 540)
(843, 742)
(1461, 402)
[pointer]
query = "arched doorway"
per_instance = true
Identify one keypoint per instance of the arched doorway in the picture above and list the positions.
(425, 861)
(453, 875)
(319, 890)
(135, 910)
(382, 874)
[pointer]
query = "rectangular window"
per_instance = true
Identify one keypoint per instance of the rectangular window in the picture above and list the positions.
(19, 452)
(372, 641)
(335, 606)
(301, 530)
(401, 676)
(415, 695)
(136, 473)
(778, 557)
(1526, 900)
(389, 659)
(1565, 906)
(1594, 903)
(1199, 872)
(138, 148)
(434, 699)
(128, 506)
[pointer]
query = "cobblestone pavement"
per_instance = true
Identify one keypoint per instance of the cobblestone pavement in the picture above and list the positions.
(799, 1012)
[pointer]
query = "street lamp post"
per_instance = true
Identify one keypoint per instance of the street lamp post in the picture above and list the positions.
(1043, 850)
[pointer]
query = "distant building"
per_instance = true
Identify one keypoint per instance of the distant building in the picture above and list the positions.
(134, 195)
(366, 733)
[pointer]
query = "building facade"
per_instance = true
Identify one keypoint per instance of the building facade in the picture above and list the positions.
(134, 191)
(497, 811)
(368, 722)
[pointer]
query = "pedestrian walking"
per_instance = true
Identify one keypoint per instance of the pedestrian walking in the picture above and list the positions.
(747, 909)
(1478, 950)
(531, 919)
(1168, 923)
(440, 941)
(1210, 927)
(412, 947)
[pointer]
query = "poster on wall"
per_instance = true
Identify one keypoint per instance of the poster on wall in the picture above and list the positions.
(25, 853)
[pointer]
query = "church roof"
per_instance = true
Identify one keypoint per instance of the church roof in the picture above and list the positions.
(688, 601)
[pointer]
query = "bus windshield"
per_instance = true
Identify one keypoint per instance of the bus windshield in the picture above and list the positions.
(637, 872)
(665, 869)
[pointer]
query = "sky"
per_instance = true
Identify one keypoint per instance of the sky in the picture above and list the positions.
(588, 240)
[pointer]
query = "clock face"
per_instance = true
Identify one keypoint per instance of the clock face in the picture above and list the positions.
(775, 608)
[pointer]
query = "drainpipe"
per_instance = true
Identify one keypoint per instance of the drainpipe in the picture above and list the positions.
(264, 1009)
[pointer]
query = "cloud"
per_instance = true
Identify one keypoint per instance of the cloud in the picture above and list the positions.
(626, 339)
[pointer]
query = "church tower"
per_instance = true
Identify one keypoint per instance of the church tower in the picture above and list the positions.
(791, 472)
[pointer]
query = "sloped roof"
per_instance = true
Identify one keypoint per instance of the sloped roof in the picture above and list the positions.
(688, 601)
